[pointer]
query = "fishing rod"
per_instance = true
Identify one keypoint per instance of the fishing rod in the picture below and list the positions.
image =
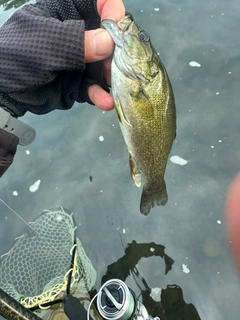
(10, 308)
(14, 310)
(115, 301)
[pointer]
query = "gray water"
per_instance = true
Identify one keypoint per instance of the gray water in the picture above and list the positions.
(68, 151)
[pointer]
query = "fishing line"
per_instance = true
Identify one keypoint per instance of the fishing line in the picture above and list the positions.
(24, 221)
(17, 214)
(91, 302)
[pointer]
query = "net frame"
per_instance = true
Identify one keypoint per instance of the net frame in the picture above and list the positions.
(80, 271)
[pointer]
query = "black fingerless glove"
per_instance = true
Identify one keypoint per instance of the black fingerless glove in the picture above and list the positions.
(42, 57)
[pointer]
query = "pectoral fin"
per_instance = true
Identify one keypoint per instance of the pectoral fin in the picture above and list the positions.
(142, 102)
(120, 112)
(134, 171)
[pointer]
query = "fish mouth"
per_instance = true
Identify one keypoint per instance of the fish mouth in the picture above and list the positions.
(116, 30)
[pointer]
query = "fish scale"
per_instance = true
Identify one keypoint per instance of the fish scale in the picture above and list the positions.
(145, 107)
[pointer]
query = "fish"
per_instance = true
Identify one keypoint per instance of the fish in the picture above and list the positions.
(145, 106)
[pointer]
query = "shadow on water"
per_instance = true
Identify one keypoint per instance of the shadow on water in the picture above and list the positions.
(168, 305)
(171, 305)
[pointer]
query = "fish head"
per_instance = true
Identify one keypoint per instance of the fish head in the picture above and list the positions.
(134, 54)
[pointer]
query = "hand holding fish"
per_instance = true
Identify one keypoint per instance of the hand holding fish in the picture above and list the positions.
(99, 46)
(54, 62)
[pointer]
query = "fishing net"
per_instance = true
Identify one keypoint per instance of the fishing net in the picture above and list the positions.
(35, 270)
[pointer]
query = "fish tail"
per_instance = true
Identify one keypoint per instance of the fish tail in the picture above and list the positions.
(151, 195)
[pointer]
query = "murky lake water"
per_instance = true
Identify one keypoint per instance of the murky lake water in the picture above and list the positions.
(84, 142)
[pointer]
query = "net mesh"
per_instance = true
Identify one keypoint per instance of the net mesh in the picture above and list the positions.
(36, 268)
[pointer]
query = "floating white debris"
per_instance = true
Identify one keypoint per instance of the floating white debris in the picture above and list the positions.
(101, 191)
(27, 152)
(124, 231)
(156, 294)
(219, 222)
(101, 138)
(178, 160)
(152, 249)
(34, 187)
(185, 268)
(212, 147)
(194, 64)
(156, 9)
(59, 217)
(15, 193)
(220, 141)
(217, 93)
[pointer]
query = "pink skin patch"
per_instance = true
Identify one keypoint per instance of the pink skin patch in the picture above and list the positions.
(233, 219)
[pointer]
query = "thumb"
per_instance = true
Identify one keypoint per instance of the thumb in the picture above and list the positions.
(98, 45)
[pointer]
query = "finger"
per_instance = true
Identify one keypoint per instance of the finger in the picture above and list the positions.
(100, 97)
(233, 219)
(98, 45)
(109, 9)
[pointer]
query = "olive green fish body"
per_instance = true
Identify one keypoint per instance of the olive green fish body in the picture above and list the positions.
(145, 107)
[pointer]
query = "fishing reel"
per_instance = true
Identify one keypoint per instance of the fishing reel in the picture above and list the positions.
(115, 301)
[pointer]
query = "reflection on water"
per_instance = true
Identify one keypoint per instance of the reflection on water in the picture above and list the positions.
(68, 151)
(133, 254)
(34, 269)
(170, 305)
(10, 4)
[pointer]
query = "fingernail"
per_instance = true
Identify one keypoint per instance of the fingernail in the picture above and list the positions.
(101, 43)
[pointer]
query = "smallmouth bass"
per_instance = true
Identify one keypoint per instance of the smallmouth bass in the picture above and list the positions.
(145, 107)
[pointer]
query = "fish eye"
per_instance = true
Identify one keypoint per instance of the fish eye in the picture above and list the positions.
(143, 36)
